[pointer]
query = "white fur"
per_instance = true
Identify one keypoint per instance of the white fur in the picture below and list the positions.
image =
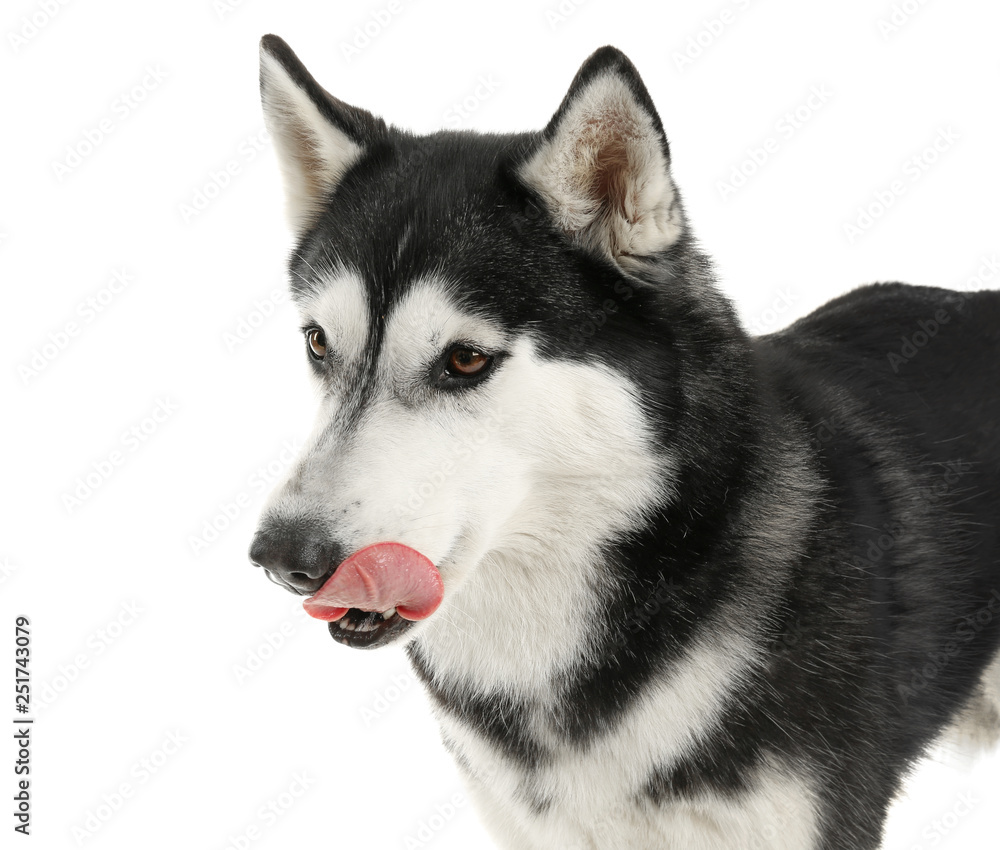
(495, 457)
(779, 813)
(977, 726)
(512, 489)
(542, 533)
(312, 152)
(639, 214)
(339, 305)
(593, 791)
(422, 325)
(514, 521)
(500, 470)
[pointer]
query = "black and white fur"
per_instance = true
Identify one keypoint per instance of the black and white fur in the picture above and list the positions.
(691, 577)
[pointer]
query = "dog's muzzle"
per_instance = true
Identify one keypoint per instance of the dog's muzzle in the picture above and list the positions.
(368, 599)
(298, 561)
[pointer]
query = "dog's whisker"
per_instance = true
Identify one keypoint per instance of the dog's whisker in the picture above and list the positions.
(693, 587)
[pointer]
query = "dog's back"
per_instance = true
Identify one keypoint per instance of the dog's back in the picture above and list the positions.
(896, 388)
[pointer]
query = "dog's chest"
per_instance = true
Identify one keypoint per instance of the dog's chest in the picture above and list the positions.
(545, 774)
(591, 799)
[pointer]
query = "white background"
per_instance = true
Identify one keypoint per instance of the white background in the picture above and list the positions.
(111, 687)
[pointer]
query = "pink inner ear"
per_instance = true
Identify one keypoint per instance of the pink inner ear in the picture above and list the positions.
(604, 170)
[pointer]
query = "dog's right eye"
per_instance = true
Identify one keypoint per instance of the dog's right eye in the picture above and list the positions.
(466, 362)
(316, 343)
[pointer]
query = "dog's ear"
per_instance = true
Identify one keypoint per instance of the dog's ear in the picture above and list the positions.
(317, 137)
(602, 166)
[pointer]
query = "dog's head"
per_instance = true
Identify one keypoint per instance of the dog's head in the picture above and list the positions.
(488, 320)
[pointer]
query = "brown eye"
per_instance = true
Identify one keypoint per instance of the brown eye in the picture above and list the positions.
(316, 340)
(467, 362)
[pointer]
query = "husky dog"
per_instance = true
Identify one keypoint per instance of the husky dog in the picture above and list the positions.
(668, 585)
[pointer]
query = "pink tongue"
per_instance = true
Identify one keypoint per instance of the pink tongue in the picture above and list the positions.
(377, 578)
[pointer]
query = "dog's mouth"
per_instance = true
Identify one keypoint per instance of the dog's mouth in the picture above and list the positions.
(376, 595)
(368, 629)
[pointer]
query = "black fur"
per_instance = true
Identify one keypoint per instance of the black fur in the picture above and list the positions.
(895, 540)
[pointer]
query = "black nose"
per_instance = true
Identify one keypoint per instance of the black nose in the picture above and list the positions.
(297, 558)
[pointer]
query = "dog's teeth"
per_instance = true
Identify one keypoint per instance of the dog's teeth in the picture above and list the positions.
(390, 613)
(344, 624)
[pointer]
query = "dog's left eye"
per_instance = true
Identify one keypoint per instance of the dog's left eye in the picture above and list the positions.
(467, 362)
(316, 343)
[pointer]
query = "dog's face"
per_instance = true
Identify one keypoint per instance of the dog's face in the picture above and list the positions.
(474, 328)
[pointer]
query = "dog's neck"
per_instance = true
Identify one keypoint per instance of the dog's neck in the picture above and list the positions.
(527, 612)
(554, 606)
